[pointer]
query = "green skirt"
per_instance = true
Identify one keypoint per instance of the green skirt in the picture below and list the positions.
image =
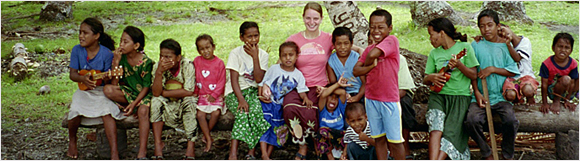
(249, 127)
(446, 113)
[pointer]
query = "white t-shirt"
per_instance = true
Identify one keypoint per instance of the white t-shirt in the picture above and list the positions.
(405, 79)
(525, 64)
(242, 63)
(281, 82)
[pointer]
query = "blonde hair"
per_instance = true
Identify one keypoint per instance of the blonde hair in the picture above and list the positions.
(314, 6)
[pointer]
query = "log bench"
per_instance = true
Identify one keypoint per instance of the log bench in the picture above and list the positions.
(224, 123)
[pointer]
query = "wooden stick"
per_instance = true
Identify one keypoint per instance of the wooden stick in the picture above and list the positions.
(489, 119)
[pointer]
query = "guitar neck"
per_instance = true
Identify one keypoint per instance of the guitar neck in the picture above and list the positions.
(100, 75)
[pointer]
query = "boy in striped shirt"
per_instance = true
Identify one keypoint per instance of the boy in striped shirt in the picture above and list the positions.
(358, 143)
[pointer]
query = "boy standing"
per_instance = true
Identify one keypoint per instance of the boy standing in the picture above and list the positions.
(380, 63)
(495, 66)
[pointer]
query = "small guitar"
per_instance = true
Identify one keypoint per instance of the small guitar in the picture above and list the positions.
(447, 72)
(98, 75)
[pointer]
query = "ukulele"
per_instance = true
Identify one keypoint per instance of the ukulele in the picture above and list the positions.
(97, 75)
(446, 72)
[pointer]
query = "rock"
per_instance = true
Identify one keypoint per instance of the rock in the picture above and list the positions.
(417, 63)
(507, 10)
(56, 11)
(44, 90)
(424, 11)
(103, 148)
(567, 145)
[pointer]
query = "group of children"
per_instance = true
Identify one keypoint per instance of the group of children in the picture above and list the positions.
(365, 112)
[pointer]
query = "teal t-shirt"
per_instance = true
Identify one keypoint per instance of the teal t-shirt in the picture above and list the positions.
(458, 84)
(497, 55)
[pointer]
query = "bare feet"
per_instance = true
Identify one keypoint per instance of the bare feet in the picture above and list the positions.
(159, 151)
(72, 149)
(266, 157)
(490, 157)
(208, 144)
(232, 157)
(531, 101)
(555, 107)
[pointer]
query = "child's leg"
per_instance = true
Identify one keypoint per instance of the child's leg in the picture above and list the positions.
(73, 127)
(157, 131)
(234, 150)
(264, 149)
(114, 93)
(398, 150)
(381, 148)
(509, 128)
(111, 132)
(204, 129)
(528, 91)
(215, 115)
(270, 149)
(143, 114)
(561, 87)
(474, 122)
(434, 144)
(190, 124)
(190, 152)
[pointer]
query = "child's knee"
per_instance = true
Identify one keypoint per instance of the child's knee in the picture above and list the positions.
(510, 95)
(565, 80)
(108, 90)
(528, 90)
(143, 111)
(200, 114)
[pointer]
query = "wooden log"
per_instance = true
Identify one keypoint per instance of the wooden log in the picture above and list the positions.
(18, 67)
(531, 119)
(19, 50)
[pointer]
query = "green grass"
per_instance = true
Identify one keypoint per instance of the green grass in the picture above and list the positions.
(276, 24)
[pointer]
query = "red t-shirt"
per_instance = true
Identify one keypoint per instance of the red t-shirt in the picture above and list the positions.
(382, 81)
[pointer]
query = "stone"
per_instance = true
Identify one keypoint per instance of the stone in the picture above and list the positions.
(417, 63)
(507, 10)
(103, 148)
(424, 11)
(567, 145)
(56, 11)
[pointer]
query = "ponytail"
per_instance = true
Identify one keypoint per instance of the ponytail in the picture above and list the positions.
(107, 41)
(445, 25)
(462, 38)
(97, 28)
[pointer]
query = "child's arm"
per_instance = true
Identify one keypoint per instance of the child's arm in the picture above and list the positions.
(157, 86)
(263, 94)
(357, 49)
(360, 70)
(188, 85)
(478, 96)
(470, 73)
(129, 109)
(361, 91)
(491, 69)
(511, 40)
(242, 104)
(331, 74)
(545, 106)
(254, 51)
(305, 99)
(363, 137)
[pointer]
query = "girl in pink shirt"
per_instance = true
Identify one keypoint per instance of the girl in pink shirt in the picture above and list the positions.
(210, 75)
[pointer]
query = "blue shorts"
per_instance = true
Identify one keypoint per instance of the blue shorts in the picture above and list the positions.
(385, 120)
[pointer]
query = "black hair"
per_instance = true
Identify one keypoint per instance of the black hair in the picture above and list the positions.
(339, 31)
(291, 44)
(171, 45)
(384, 13)
(446, 25)
(563, 35)
(351, 107)
(489, 13)
(136, 35)
(204, 37)
(97, 28)
(247, 25)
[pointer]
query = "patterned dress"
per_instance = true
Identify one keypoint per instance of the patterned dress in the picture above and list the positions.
(135, 78)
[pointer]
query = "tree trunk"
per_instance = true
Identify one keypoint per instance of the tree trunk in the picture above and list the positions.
(507, 10)
(424, 11)
(347, 14)
(56, 11)
(18, 67)
(531, 120)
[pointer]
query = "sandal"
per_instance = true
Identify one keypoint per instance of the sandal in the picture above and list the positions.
(187, 158)
(157, 158)
(250, 157)
(302, 157)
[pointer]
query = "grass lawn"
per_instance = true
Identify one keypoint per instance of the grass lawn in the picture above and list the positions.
(276, 24)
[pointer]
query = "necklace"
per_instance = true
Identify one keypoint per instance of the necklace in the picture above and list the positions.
(304, 34)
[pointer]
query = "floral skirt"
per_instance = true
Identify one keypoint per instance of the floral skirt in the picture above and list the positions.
(250, 126)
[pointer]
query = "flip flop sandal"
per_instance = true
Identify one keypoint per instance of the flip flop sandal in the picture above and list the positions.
(302, 157)
(187, 158)
(250, 157)
(157, 158)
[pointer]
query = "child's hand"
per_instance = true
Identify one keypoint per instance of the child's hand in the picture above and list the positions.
(243, 106)
(319, 90)
(343, 156)
(343, 82)
(452, 62)
(362, 136)
(210, 98)
(88, 82)
(570, 106)
(266, 91)
(307, 102)
(477, 38)
(480, 100)
(355, 98)
(165, 64)
(437, 79)
(252, 50)
(486, 72)
(129, 109)
(544, 108)
(117, 56)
